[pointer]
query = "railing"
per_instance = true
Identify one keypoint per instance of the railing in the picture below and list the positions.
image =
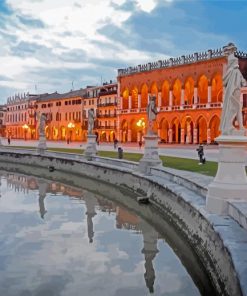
(192, 58)
(106, 115)
(107, 104)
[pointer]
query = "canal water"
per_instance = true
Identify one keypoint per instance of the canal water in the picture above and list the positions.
(58, 239)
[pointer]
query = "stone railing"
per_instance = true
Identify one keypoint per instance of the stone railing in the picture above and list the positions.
(192, 58)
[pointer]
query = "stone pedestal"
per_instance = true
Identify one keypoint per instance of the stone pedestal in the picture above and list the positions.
(42, 144)
(91, 146)
(151, 155)
(230, 182)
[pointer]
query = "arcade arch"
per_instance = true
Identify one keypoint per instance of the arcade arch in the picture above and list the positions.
(164, 129)
(216, 88)
(144, 95)
(154, 89)
(126, 99)
(203, 89)
(214, 125)
(134, 98)
(201, 126)
(189, 91)
(165, 93)
(176, 130)
(176, 92)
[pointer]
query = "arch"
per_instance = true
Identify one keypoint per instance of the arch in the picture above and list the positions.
(214, 126)
(164, 129)
(134, 98)
(154, 89)
(144, 95)
(203, 89)
(63, 132)
(216, 88)
(134, 130)
(176, 130)
(126, 99)
(165, 89)
(189, 91)
(176, 90)
(124, 130)
(187, 125)
(201, 125)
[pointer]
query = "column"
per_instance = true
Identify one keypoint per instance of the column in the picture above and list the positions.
(139, 101)
(130, 101)
(209, 94)
(195, 136)
(170, 135)
(188, 137)
(182, 136)
(129, 135)
(208, 136)
(182, 97)
(195, 95)
(158, 132)
(120, 136)
(159, 99)
(170, 98)
(121, 103)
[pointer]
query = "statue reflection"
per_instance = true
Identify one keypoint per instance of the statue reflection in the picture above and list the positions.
(150, 239)
(91, 202)
(43, 186)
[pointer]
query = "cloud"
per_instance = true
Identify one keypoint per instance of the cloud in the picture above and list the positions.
(43, 38)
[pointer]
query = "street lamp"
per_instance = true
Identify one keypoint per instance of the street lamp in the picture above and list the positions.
(25, 127)
(70, 126)
(141, 125)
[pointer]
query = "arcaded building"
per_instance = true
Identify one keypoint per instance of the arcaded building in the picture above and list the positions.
(189, 92)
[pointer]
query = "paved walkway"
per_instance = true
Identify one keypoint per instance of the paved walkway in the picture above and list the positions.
(184, 151)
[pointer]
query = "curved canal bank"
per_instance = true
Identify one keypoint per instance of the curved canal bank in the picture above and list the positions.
(219, 241)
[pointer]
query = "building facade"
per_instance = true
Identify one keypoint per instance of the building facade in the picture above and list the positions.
(189, 92)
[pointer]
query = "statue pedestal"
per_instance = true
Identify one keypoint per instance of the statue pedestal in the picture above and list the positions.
(91, 146)
(230, 181)
(42, 144)
(151, 155)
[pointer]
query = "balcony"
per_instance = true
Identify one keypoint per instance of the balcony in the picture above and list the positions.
(107, 104)
(106, 115)
(112, 127)
(107, 92)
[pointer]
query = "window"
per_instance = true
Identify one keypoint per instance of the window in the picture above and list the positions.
(244, 100)
(66, 116)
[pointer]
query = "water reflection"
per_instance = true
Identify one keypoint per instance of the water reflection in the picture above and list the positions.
(82, 243)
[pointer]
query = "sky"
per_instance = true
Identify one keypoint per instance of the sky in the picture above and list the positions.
(59, 45)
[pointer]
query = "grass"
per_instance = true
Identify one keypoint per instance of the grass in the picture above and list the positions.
(209, 169)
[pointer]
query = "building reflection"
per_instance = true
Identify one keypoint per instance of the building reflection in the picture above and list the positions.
(125, 219)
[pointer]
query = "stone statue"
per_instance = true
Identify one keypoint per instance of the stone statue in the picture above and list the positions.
(42, 123)
(90, 121)
(151, 113)
(232, 106)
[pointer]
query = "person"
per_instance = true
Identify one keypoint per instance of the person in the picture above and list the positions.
(200, 151)
(9, 140)
(232, 107)
(140, 144)
(90, 121)
(151, 113)
(115, 143)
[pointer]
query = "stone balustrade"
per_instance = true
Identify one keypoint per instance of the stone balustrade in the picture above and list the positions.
(183, 60)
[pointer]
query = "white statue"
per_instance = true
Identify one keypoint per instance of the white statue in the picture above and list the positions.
(151, 113)
(42, 123)
(90, 121)
(232, 106)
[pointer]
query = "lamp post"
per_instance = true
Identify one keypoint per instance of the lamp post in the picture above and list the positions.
(71, 125)
(141, 125)
(25, 128)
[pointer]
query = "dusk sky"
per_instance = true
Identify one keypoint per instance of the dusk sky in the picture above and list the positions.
(50, 45)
